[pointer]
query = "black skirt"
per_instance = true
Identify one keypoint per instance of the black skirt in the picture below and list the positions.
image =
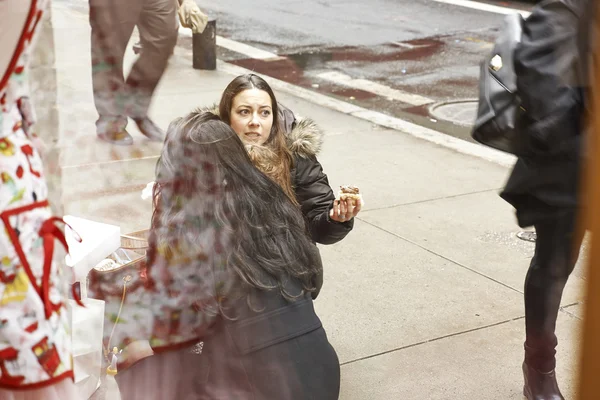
(541, 188)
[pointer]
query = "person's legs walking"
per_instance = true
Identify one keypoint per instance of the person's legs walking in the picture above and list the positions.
(112, 23)
(158, 32)
(556, 252)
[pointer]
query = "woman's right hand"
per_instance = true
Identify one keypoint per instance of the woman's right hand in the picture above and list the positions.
(344, 210)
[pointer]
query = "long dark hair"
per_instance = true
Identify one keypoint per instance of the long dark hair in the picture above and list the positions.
(209, 197)
(274, 157)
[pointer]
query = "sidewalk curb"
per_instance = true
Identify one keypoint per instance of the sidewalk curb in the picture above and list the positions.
(420, 132)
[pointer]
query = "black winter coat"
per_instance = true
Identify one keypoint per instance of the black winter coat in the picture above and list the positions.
(280, 351)
(265, 348)
(310, 183)
(550, 81)
(304, 139)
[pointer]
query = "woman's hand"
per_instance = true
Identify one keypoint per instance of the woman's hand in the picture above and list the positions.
(345, 210)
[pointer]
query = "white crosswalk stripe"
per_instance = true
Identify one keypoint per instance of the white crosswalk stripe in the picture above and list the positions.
(485, 7)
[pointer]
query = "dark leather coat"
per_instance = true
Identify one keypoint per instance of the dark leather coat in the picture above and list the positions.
(551, 81)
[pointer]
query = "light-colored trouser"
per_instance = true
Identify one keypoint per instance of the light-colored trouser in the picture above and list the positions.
(112, 23)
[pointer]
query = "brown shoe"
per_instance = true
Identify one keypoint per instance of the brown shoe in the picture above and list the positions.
(119, 138)
(111, 129)
(150, 129)
(540, 385)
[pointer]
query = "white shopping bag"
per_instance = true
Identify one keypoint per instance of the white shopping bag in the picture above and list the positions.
(88, 326)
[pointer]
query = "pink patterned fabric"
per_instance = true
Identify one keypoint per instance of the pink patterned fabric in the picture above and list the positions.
(35, 341)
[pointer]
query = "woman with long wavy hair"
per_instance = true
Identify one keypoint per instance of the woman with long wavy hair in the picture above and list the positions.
(230, 257)
(285, 148)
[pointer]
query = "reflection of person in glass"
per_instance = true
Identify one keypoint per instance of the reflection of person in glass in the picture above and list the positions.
(117, 98)
(229, 250)
(35, 341)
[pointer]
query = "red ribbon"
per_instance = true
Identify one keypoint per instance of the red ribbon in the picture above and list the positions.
(48, 232)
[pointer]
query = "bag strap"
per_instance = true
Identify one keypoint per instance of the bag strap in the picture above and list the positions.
(126, 280)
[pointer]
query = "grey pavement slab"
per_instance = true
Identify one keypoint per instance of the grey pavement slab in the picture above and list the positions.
(576, 310)
(480, 365)
(392, 168)
(476, 231)
(333, 123)
(381, 293)
(124, 209)
(87, 181)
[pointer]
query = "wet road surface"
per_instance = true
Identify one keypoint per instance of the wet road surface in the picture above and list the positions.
(374, 54)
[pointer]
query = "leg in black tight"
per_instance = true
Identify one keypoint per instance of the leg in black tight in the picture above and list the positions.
(556, 252)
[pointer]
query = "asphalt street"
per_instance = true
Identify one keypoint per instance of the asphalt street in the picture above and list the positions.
(345, 48)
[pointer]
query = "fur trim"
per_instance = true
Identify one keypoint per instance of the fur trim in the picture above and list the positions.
(212, 109)
(305, 140)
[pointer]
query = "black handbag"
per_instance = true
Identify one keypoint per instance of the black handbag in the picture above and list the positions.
(499, 103)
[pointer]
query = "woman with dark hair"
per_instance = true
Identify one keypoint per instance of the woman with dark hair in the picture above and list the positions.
(230, 264)
(551, 67)
(286, 149)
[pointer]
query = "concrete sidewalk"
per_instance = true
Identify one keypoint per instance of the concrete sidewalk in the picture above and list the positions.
(423, 300)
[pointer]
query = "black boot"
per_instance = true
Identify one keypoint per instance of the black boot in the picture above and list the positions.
(540, 385)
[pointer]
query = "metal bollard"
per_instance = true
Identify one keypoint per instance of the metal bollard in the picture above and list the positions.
(204, 47)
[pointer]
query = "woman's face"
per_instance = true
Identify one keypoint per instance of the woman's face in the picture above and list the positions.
(252, 116)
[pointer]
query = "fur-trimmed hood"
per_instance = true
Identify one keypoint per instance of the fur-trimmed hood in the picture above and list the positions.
(303, 136)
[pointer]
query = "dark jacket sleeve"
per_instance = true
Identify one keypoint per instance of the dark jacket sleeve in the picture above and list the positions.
(316, 200)
(547, 64)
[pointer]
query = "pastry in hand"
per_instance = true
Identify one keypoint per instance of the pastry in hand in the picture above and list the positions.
(350, 192)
